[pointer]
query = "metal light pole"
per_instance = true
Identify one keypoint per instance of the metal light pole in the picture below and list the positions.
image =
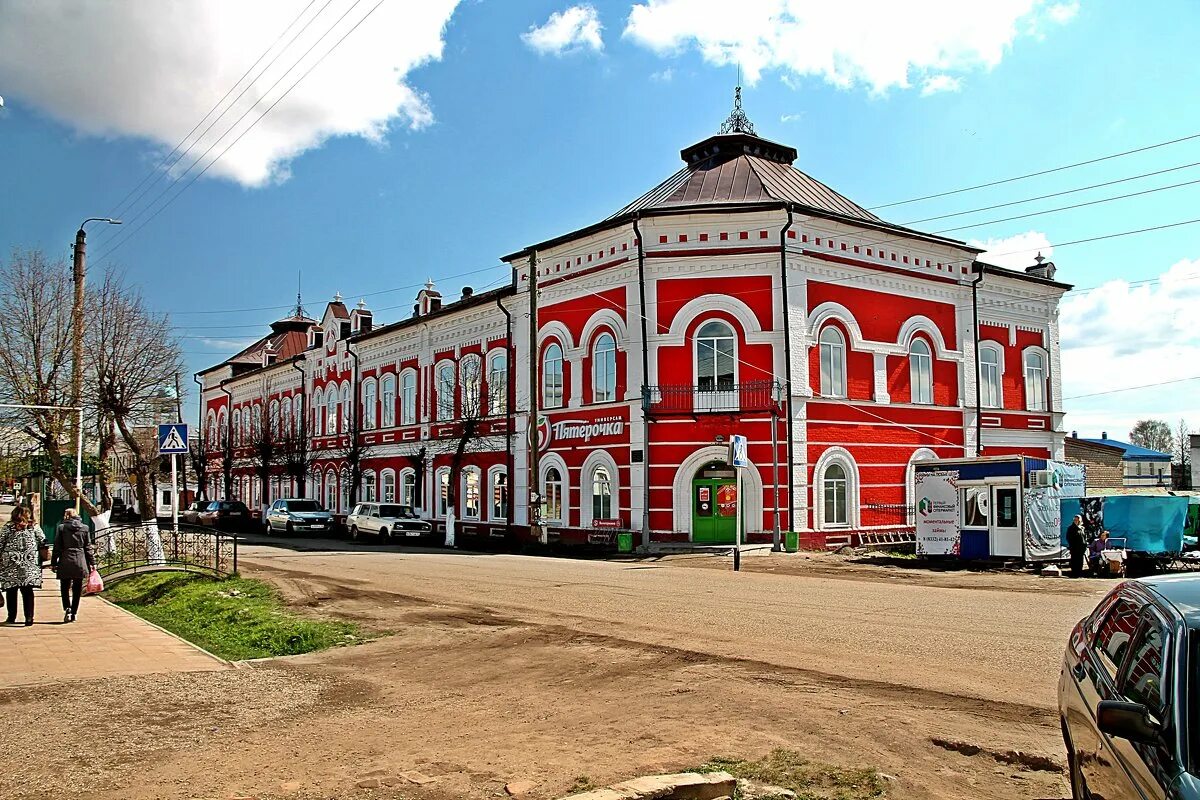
(80, 274)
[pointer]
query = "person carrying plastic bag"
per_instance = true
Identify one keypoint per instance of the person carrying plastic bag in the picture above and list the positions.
(74, 560)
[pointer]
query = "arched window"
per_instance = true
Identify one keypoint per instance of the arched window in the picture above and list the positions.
(552, 377)
(604, 369)
(920, 371)
(387, 401)
(442, 486)
(331, 411)
(408, 488)
(223, 433)
(298, 413)
(716, 361)
(602, 503)
(368, 404)
(285, 417)
(213, 434)
(273, 419)
(387, 486)
(347, 409)
(237, 426)
(368, 486)
(471, 493)
(408, 398)
(833, 362)
(833, 488)
(498, 478)
(318, 412)
(552, 496)
(1035, 381)
(445, 392)
(330, 491)
(470, 379)
(497, 383)
(989, 376)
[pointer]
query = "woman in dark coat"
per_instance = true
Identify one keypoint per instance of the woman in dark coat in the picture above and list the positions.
(20, 562)
(1077, 545)
(74, 557)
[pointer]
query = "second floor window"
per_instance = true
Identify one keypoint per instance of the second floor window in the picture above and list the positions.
(715, 358)
(989, 376)
(472, 389)
(368, 405)
(445, 392)
(408, 398)
(833, 362)
(387, 400)
(331, 411)
(920, 368)
(498, 383)
(604, 369)
(552, 377)
(1035, 381)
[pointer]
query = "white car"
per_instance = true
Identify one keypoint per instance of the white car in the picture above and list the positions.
(8, 499)
(385, 520)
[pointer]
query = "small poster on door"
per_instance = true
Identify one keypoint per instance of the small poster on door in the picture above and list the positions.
(727, 500)
(705, 493)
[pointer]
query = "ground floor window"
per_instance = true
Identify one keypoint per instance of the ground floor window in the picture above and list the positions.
(388, 484)
(408, 488)
(368, 493)
(471, 493)
(833, 485)
(601, 494)
(330, 492)
(443, 490)
(499, 495)
(552, 495)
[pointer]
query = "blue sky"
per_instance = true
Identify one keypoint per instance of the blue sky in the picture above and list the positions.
(436, 140)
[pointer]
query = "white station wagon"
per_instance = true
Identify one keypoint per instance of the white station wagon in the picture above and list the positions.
(385, 520)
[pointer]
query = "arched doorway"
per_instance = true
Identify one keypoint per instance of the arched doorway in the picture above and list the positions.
(714, 504)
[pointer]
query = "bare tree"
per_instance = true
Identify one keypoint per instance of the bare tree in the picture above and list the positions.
(35, 356)
(1153, 434)
(295, 452)
(263, 447)
(198, 458)
(1183, 438)
(135, 359)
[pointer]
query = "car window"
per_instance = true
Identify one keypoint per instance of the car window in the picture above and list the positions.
(392, 511)
(1145, 678)
(1115, 634)
(213, 506)
(302, 505)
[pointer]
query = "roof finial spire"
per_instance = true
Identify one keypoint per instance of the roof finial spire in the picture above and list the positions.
(299, 302)
(738, 122)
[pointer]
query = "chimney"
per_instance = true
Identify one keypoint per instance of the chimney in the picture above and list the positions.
(1104, 434)
(1074, 434)
(467, 292)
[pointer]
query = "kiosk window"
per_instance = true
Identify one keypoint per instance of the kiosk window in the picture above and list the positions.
(975, 507)
(1006, 508)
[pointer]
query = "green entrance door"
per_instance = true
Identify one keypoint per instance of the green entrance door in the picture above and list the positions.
(714, 505)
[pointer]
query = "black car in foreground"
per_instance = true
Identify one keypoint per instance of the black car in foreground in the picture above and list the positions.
(1129, 693)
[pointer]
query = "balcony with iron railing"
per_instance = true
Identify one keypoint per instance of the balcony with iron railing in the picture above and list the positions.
(718, 398)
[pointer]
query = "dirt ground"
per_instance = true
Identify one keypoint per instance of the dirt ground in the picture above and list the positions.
(475, 697)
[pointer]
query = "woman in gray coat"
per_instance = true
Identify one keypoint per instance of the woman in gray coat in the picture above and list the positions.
(73, 559)
(20, 562)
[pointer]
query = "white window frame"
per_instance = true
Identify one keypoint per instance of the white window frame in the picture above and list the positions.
(494, 475)
(402, 482)
(237, 426)
(408, 397)
(554, 396)
(444, 392)
(370, 400)
(387, 486)
(986, 400)
(298, 413)
(564, 483)
(347, 408)
(387, 400)
(832, 345)
(330, 494)
(222, 424)
(370, 486)
(318, 412)
(497, 379)
(441, 501)
(594, 483)
(841, 457)
(273, 419)
(604, 368)
(470, 381)
(465, 493)
(921, 385)
(331, 410)
(1042, 383)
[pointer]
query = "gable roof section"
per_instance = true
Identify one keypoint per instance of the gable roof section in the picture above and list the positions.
(1132, 451)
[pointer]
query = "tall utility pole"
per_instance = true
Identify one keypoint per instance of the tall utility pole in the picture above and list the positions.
(80, 274)
(535, 498)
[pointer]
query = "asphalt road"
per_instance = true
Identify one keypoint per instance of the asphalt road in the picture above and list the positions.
(991, 644)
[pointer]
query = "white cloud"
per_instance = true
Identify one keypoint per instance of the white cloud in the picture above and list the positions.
(576, 28)
(1124, 334)
(1014, 252)
(791, 117)
(878, 45)
(152, 70)
(1063, 13)
(940, 83)
(663, 75)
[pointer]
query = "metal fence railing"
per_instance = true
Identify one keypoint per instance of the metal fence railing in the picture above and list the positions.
(127, 550)
(698, 399)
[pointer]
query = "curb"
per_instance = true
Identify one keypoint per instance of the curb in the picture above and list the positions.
(193, 645)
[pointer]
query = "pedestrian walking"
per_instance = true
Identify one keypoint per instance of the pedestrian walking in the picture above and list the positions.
(73, 560)
(1077, 545)
(20, 562)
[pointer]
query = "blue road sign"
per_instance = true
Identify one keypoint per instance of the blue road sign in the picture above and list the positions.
(737, 451)
(172, 438)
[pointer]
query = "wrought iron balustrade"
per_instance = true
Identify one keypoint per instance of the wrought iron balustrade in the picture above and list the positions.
(125, 550)
(709, 398)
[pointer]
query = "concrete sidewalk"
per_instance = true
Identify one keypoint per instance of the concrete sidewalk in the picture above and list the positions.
(105, 640)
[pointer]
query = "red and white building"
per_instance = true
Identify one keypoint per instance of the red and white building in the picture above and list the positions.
(739, 296)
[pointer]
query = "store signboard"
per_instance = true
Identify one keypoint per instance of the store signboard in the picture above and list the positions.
(938, 532)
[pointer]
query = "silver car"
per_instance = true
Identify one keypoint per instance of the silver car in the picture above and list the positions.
(296, 516)
(386, 520)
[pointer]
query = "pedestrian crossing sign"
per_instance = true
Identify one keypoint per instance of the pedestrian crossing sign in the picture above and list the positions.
(172, 438)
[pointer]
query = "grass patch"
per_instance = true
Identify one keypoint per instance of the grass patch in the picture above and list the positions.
(235, 618)
(582, 784)
(808, 779)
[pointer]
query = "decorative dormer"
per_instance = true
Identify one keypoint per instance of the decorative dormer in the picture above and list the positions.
(361, 319)
(428, 300)
(269, 355)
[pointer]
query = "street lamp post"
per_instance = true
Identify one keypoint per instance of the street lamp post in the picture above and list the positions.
(80, 273)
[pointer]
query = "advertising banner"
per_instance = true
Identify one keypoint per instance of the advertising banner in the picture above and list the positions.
(936, 497)
(1043, 510)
